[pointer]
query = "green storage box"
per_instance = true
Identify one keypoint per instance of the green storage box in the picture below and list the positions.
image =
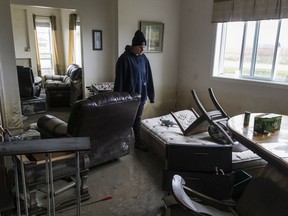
(266, 123)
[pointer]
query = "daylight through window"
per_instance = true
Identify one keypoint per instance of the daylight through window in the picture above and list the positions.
(78, 45)
(255, 50)
(43, 28)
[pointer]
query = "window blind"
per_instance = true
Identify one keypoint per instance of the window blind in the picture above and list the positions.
(248, 10)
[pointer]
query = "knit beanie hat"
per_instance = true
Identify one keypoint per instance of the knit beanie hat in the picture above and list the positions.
(138, 39)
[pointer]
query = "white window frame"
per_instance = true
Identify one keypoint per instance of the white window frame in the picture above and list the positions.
(219, 60)
(78, 51)
(46, 22)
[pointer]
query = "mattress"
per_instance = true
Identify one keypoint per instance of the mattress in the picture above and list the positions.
(157, 132)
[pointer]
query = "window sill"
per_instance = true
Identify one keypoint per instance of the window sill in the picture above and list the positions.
(271, 84)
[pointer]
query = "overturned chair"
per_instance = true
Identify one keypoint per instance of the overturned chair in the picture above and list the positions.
(263, 196)
(106, 118)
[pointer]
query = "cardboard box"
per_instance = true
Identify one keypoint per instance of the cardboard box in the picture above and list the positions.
(266, 123)
(33, 106)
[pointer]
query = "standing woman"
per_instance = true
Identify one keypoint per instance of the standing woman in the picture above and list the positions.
(134, 75)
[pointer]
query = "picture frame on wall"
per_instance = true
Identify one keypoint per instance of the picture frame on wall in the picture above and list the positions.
(97, 39)
(153, 32)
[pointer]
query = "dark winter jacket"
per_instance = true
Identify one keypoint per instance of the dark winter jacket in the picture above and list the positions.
(134, 75)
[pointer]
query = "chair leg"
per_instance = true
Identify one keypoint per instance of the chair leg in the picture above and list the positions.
(216, 103)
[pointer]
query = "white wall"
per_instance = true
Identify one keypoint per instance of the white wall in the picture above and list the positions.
(98, 15)
(9, 93)
(20, 31)
(94, 14)
(119, 20)
(165, 64)
(97, 65)
(185, 63)
(23, 32)
(195, 69)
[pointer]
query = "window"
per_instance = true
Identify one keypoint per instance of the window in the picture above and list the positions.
(255, 50)
(43, 28)
(77, 45)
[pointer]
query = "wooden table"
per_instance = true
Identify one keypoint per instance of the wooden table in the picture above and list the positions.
(272, 147)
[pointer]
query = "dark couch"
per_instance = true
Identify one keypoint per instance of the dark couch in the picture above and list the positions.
(64, 90)
(106, 118)
(29, 85)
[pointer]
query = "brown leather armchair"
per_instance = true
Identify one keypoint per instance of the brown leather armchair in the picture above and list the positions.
(106, 118)
(64, 90)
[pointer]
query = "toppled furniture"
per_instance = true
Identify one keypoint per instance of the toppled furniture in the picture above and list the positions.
(264, 195)
(191, 156)
(64, 90)
(106, 118)
(208, 168)
(217, 120)
(48, 174)
(158, 136)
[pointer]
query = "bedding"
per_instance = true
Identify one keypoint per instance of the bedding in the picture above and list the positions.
(158, 132)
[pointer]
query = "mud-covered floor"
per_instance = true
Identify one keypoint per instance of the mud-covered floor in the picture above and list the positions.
(133, 181)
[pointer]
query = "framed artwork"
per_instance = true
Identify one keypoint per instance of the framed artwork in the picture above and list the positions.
(97, 39)
(153, 32)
